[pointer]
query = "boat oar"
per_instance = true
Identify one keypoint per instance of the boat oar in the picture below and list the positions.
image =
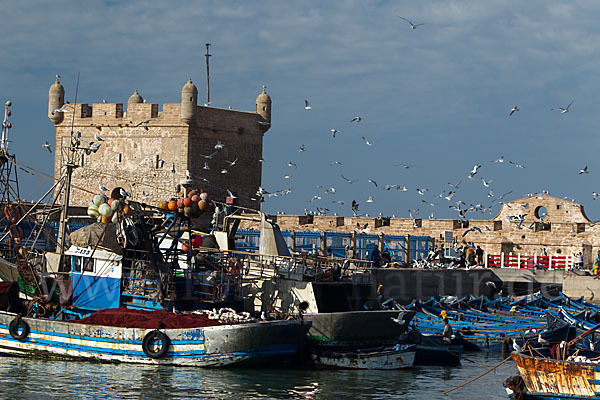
(584, 334)
(477, 377)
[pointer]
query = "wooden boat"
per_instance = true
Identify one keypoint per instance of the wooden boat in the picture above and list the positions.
(546, 378)
(398, 357)
(212, 346)
(438, 354)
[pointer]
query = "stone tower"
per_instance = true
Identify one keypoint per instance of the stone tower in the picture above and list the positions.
(149, 152)
(56, 99)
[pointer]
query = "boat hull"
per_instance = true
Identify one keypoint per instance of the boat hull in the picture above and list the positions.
(357, 328)
(216, 346)
(374, 359)
(557, 379)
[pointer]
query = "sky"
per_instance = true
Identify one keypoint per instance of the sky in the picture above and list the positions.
(436, 98)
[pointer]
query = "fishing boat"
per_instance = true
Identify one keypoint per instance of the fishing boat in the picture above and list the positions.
(546, 378)
(397, 357)
(221, 345)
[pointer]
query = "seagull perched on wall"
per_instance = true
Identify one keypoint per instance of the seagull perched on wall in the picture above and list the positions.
(188, 174)
(514, 109)
(411, 24)
(47, 146)
(563, 110)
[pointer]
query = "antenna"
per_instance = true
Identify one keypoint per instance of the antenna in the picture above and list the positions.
(207, 74)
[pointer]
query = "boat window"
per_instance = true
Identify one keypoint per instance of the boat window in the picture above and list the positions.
(76, 264)
(88, 265)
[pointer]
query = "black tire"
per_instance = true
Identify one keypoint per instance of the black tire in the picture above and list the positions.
(148, 344)
(15, 325)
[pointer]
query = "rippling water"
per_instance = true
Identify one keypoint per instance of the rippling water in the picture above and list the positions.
(38, 378)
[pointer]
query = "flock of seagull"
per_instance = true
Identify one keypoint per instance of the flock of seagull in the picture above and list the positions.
(446, 194)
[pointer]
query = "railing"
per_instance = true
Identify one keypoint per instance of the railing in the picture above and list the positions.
(526, 261)
(339, 244)
(304, 266)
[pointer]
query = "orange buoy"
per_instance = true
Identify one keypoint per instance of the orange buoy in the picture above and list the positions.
(203, 205)
(172, 205)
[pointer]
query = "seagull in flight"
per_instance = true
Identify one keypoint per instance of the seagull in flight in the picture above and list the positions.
(472, 229)
(62, 109)
(595, 195)
(348, 180)
(513, 110)
(486, 183)
(210, 156)
(563, 110)
(367, 141)
(206, 167)
(307, 105)
(370, 199)
(422, 191)
(145, 195)
(499, 160)
(224, 171)
(102, 188)
(98, 138)
(356, 119)
(455, 186)
(354, 206)
(232, 163)
(411, 24)
(516, 165)
(581, 171)
(334, 131)
(47, 146)
(141, 123)
(449, 197)
(219, 145)
(287, 176)
(124, 193)
(336, 163)
(302, 148)
(373, 182)
(291, 164)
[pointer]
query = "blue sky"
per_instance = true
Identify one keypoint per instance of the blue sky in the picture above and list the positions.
(436, 98)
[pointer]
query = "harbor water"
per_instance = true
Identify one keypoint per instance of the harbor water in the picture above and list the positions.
(24, 378)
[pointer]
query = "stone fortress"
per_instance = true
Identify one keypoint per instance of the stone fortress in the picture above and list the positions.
(148, 152)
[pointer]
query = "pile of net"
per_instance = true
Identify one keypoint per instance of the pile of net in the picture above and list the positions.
(142, 319)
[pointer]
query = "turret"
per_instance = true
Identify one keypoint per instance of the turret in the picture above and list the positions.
(135, 98)
(263, 105)
(56, 99)
(189, 101)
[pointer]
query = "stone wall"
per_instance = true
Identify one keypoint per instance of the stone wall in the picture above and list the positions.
(565, 230)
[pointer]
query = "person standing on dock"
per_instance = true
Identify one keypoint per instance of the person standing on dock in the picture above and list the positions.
(596, 263)
(479, 254)
(376, 257)
(447, 335)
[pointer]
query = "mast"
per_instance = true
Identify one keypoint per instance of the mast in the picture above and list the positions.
(207, 75)
(71, 165)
